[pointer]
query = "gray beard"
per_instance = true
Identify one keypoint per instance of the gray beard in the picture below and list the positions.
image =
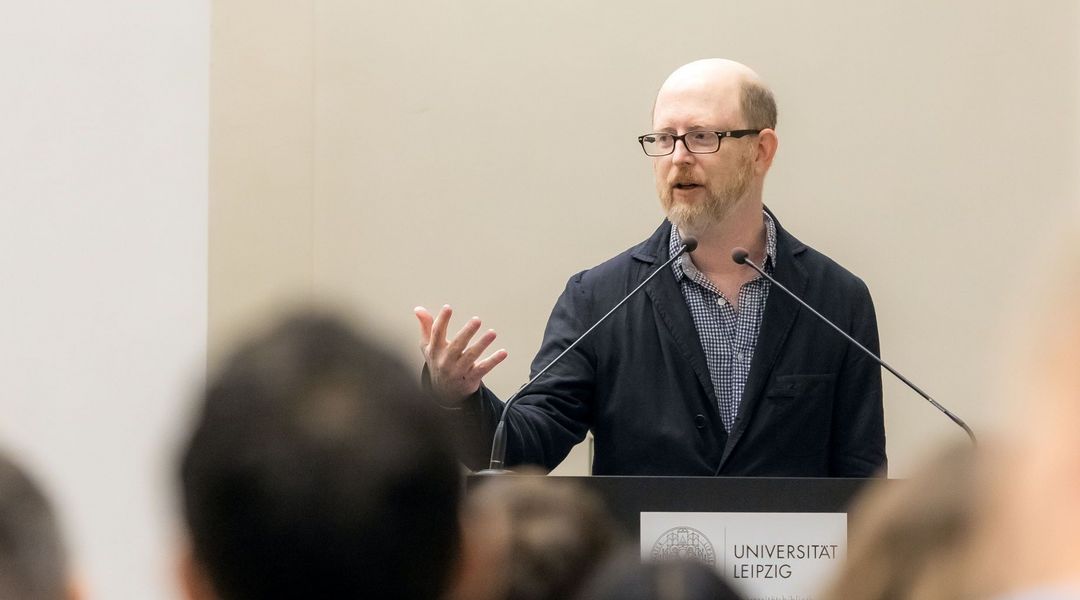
(696, 219)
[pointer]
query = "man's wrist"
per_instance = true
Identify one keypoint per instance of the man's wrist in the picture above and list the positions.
(440, 399)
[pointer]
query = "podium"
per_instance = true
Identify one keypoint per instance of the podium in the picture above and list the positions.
(628, 497)
(770, 537)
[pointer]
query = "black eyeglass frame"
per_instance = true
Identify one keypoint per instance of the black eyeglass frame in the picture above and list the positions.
(720, 135)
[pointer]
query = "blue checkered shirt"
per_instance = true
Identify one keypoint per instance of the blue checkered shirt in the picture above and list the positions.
(728, 336)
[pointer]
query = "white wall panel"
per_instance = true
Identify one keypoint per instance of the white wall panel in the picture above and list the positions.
(103, 267)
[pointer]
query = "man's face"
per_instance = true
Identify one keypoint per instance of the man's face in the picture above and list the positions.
(699, 190)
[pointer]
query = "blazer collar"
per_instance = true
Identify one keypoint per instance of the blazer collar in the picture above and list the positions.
(780, 315)
(670, 306)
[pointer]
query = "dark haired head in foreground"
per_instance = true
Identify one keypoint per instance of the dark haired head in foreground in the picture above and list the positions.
(627, 578)
(32, 558)
(532, 537)
(316, 470)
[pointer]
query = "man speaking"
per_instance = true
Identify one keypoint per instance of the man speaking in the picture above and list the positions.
(707, 371)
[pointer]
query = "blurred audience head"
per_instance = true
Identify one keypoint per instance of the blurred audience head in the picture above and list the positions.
(911, 539)
(1001, 523)
(33, 563)
(316, 469)
(531, 537)
(626, 577)
(1033, 524)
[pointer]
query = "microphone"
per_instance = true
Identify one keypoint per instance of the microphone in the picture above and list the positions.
(742, 257)
(498, 443)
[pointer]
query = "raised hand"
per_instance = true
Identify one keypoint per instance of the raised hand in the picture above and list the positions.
(455, 365)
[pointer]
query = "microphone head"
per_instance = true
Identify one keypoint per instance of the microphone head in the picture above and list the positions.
(690, 243)
(739, 255)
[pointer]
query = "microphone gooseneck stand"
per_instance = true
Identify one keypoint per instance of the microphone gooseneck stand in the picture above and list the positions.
(742, 257)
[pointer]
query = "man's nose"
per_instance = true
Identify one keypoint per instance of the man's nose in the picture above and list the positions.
(681, 154)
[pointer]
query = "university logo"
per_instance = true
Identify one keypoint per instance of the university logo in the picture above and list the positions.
(684, 543)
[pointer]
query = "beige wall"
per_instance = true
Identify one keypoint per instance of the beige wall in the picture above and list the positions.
(261, 161)
(384, 155)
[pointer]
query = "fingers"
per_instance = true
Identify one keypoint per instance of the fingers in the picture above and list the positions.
(455, 360)
(425, 319)
(474, 351)
(438, 327)
(483, 367)
(457, 345)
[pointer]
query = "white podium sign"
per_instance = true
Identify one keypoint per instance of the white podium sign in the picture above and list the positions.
(765, 556)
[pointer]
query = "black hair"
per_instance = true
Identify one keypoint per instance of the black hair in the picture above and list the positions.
(33, 563)
(317, 469)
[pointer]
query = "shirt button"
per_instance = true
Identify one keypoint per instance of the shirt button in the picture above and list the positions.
(720, 301)
(739, 356)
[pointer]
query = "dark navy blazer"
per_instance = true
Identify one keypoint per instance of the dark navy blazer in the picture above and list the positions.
(811, 407)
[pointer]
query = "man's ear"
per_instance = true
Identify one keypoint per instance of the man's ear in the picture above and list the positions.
(192, 577)
(765, 151)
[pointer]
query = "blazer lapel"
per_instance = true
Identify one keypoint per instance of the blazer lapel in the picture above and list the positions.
(670, 306)
(780, 313)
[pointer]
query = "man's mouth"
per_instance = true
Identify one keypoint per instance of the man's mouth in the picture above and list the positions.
(687, 186)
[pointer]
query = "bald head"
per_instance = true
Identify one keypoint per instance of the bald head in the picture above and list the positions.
(732, 87)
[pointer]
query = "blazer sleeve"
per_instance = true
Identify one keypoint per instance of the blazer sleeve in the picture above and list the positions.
(857, 439)
(472, 424)
(553, 414)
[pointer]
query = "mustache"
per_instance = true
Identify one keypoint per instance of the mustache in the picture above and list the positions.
(682, 176)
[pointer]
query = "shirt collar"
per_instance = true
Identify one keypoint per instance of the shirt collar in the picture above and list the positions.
(684, 265)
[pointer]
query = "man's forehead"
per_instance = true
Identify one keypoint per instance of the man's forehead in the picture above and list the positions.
(713, 71)
(706, 89)
(696, 106)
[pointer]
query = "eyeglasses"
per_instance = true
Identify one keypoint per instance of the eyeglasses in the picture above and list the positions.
(698, 142)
